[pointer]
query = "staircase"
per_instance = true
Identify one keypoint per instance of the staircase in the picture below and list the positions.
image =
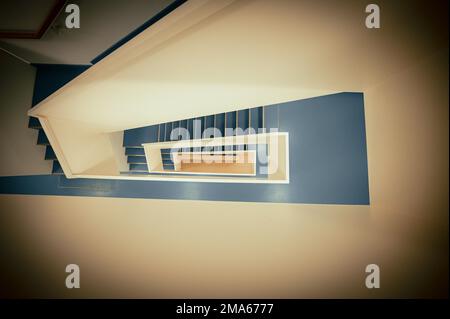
(42, 140)
(49, 78)
(225, 123)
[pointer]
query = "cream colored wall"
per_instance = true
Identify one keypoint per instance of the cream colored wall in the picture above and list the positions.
(20, 154)
(81, 144)
(174, 248)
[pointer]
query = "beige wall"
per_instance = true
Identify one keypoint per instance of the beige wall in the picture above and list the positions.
(169, 248)
(20, 154)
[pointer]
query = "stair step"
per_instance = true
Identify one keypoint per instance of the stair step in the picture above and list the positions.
(184, 129)
(230, 123)
(166, 156)
(190, 128)
(199, 126)
(209, 127)
(161, 132)
(134, 151)
(256, 118)
(220, 123)
(138, 136)
(33, 122)
(137, 159)
(168, 130)
(209, 121)
(242, 121)
(139, 167)
(252, 120)
(167, 162)
(167, 151)
(49, 153)
(230, 126)
(175, 131)
(271, 117)
(169, 167)
(57, 169)
(42, 138)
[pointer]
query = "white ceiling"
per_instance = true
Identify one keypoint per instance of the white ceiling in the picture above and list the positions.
(103, 23)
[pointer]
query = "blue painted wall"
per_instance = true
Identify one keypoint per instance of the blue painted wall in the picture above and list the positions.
(328, 164)
(328, 148)
(50, 77)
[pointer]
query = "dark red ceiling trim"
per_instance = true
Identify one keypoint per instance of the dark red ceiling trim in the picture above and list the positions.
(51, 16)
